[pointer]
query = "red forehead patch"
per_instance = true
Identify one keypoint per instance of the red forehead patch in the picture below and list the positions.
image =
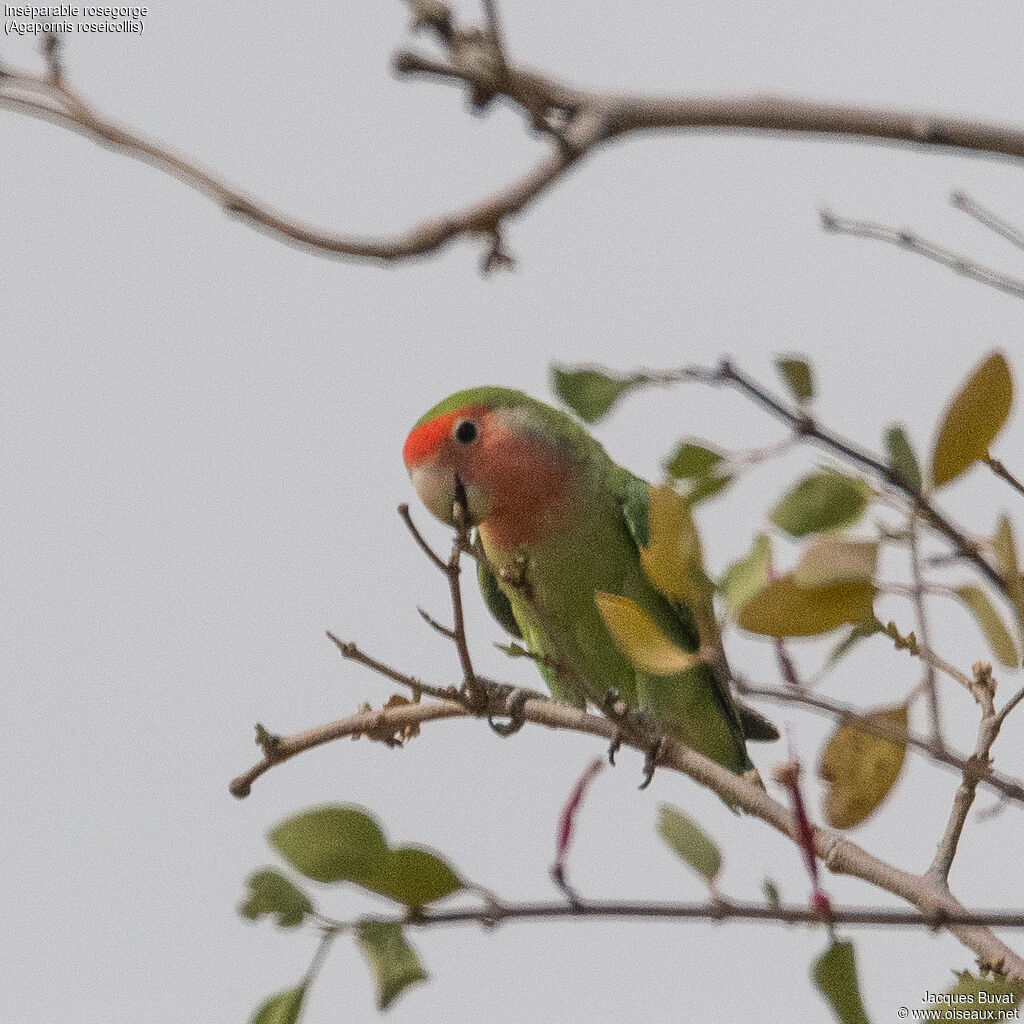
(423, 441)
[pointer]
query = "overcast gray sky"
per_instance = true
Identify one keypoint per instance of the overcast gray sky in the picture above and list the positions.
(201, 456)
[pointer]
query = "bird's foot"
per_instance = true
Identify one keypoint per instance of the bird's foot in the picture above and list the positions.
(614, 746)
(651, 758)
(614, 708)
(514, 704)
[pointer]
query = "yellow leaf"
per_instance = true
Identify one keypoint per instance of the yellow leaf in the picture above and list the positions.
(748, 576)
(991, 624)
(672, 558)
(1009, 566)
(972, 421)
(638, 637)
(861, 768)
(785, 609)
(832, 560)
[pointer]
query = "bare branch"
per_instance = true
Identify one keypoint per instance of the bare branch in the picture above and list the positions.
(991, 220)
(1010, 705)
(838, 853)
(806, 426)
(362, 722)
(1003, 473)
(439, 562)
(577, 120)
(453, 571)
(495, 31)
(353, 653)
(988, 729)
(916, 649)
(1008, 787)
(448, 634)
(918, 591)
(724, 910)
(479, 219)
(905, 239)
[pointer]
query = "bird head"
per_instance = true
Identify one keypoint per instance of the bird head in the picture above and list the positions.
(500, 455)
(448, 456)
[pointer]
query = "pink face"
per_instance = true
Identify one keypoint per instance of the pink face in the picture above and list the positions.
(446, 452)
(515, 482)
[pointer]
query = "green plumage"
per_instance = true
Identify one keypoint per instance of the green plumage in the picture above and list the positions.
(545, 590)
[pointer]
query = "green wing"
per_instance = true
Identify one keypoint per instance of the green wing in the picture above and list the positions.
(500, 607)
(634, 497)
(496, 600)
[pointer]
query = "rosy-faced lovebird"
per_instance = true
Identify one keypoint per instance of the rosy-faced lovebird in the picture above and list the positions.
(566, 532)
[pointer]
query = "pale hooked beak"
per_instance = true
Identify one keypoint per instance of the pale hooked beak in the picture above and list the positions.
(442, 492)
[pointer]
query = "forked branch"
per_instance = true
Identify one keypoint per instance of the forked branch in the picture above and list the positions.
(576, 120)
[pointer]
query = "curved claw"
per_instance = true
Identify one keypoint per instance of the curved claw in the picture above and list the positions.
(651, 761)
(614, 746)
(514, 704)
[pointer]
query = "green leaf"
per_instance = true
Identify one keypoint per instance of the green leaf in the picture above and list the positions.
(902, 460)
(832, 560)
(748, 576)
(991, 624)
(284, 1008)
(335, 844)
(835, 974)
(690, 461)
(415, 877)
(591, 393)
(858, 632)
(973, 419)
(271, 893)
(797, 375)
(822, 501)
(861, 767)
(394, 962)
(332, 844)
(689, 842)
(784, 609)
(996, 995)
(771, 893)
(707, 487)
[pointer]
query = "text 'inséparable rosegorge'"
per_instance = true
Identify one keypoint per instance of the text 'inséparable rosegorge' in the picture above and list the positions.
(68, 11)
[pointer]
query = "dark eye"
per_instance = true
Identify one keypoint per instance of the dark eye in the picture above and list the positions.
(466, 432)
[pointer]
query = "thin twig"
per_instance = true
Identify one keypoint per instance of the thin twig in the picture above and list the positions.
(991, 220)
(757, 456)
(320, 956)
(439, 562)
(1001, 471)
(495, 31)
(725, 910)
(353, 653)
(837, 852)
(913, 243)
(585, 120)
(1010, 705)
(806, 426)
(930, 681)
(448, 634)
(977, 763)
(453, 570)
(472, 688)
(1007, 786)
